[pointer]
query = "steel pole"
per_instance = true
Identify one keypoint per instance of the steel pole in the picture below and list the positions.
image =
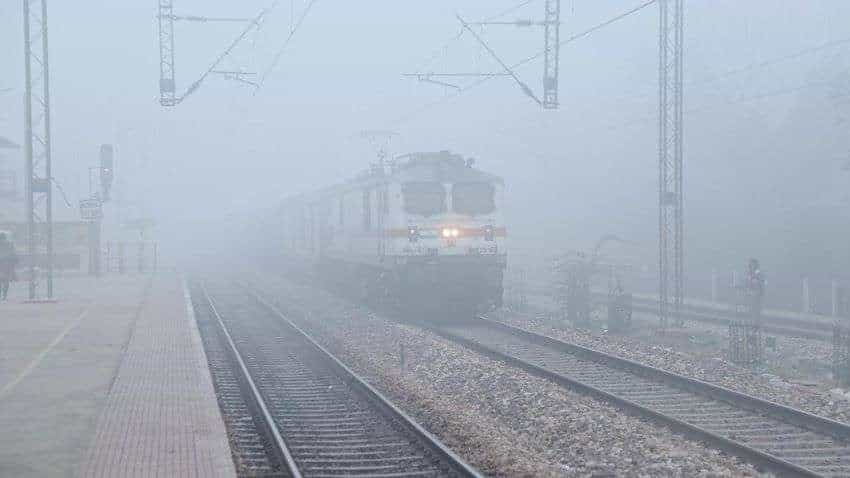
(48, 174)
(31, 250)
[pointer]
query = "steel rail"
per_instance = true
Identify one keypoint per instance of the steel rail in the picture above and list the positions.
(785, 326)
(793, 327)
(274, 435)
(445, 455)
(648, 402)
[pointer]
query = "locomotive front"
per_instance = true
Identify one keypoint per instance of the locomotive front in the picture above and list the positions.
(447, 236)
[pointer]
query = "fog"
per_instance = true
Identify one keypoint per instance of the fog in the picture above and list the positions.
(352, 239)
(766, 116)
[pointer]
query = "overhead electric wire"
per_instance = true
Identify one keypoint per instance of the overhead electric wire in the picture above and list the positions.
(196, 18)
(433, 57)
(755, 66)
(283, 47)
(587, 32)
(510, 71)
(253, 24)
(455, 38)
(520, 63)
(652, 120)
(508, 10)
(771, 61)
(62, 192)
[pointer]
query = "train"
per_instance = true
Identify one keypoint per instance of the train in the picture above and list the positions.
(423, 231)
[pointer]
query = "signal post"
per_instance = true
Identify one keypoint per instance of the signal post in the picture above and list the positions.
(91, 209)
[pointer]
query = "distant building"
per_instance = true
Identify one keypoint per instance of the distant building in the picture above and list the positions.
(11, 185)
(70, 234)
(10, 181)
(6, 143)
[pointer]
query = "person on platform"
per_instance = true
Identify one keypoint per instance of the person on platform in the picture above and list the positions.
(755, 287)
(8, 261)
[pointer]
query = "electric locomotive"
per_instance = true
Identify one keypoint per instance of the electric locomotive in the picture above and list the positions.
(424, 231)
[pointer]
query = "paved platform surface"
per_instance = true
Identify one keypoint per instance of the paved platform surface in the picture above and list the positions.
(109, 381)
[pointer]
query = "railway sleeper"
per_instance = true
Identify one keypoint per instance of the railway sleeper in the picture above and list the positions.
(356, 461)
(800, 451)
(320, 421)
(361, 470)
(426, 473)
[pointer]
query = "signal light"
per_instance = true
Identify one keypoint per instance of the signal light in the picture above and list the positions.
(106, 171)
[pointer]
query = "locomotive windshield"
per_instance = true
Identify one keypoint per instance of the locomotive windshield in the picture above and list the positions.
(473, 198)
(425, 198)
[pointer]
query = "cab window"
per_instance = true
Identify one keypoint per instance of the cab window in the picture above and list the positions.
(425, 198)
(473, 198)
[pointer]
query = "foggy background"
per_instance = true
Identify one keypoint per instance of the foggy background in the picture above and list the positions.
(764, 144)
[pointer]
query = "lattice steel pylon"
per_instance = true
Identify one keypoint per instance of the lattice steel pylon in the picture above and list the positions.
(552, 40)
(39, 198)
(670, 197)
(167, 84)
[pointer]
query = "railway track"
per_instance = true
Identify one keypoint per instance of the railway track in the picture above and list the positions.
(252, 449)
(774, 324)
(319, 418)
(787, 441)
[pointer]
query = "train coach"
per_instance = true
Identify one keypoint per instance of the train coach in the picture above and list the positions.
(424, 232)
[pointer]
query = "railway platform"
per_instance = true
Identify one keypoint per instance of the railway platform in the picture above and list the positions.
(111, 380)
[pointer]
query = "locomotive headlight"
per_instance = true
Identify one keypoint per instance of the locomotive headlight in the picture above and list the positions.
(413, 233)
(489, 233)
(450, 232)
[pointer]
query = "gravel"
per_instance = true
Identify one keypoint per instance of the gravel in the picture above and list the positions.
(501, 420)
(711, 367)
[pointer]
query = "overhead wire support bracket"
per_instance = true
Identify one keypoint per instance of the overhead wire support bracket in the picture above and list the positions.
(423, 75)
(525, 89)
(167, 82)
(520, 22)
(238, 76)
(551, 24)
(293, 29)
(200, 19)
(572, 38)
(428, 79)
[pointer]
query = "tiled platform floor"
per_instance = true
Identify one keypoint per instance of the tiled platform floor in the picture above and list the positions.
(109, 381)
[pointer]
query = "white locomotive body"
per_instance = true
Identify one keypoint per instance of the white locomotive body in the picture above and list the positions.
(426, 230)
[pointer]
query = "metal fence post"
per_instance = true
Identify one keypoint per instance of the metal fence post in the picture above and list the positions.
(713, 285)
(834, 298)
(141, 253)
(120, 257)
(807, 299)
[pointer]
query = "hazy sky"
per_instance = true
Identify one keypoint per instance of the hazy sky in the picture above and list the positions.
(587, 169)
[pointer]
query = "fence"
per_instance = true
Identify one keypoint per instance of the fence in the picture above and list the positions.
(124, 257)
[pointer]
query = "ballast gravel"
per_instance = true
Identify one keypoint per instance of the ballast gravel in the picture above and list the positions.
(715, 368)
(501, 420)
